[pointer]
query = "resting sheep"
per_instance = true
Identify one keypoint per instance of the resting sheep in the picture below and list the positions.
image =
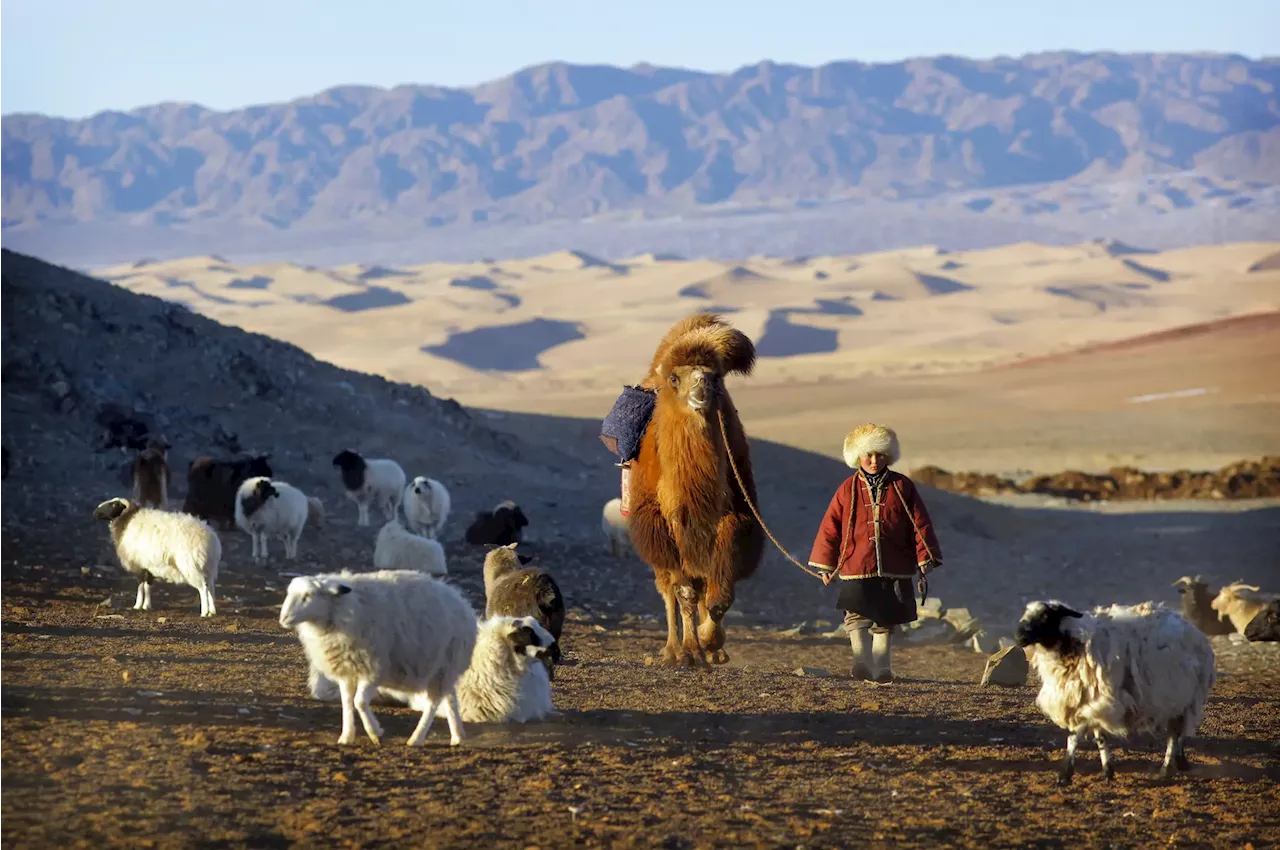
(513, 590)
(426, 506)
(395, 629)
(315, 512)
(399, 549)
(212, 485)
(503, 525)
(505, 682)
(377, 481)
(1120, 670)
(149, 475)
(1197, 607)
(157, 545)
(268, 507)
(615, 527)
(1240, 603)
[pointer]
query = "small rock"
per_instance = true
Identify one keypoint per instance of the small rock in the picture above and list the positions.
(109, 617)
(930, 609)
(984, 642)
(795, 631)
(928, 633)
(816, 672)
(134, 711)
(162, 619)
(1008, 668)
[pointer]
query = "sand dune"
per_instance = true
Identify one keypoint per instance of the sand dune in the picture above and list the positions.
(565, 330)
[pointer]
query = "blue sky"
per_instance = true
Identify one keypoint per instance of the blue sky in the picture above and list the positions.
(75, 58)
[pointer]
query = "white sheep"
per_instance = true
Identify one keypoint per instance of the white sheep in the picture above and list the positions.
(397, 629)
(376, 481)
(158, 545)
(399, 549)
(315, 512)
(616, 527)
(267, 507)
(1121, 670)
(505, 683)
(426, 505)
(1238, 603)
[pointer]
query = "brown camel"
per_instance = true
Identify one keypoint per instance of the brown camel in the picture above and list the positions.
(689, 519)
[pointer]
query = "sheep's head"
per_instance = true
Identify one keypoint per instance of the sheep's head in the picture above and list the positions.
(527, 637)
(509, 515)
(421, 486)
(1187, 583)
(502, 560)
(308, 600)
(260, 490)
(112, 509)
(257, 465)
(1042, 623)
(347, 460)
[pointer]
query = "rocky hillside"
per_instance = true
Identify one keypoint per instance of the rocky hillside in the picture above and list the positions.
(562, 142)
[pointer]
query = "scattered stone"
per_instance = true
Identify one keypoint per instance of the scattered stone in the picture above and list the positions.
(815, 672)
(109, 617)
(931, 609)
(985, 642)
(133, 711)
(1008, 668)
(794, 631)
(112, 602)
(927, 633)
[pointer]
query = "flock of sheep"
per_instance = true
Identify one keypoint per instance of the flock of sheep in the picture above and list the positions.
(403, 633)
(400, 631)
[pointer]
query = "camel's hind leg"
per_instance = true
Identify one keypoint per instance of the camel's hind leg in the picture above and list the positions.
(693, 654)
(671, 653)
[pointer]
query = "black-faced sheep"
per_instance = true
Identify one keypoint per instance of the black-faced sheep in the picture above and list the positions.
(377, 481)
(212, 485)
(513, 590)
(426, 506)
(502, 526)
(157, 545)
(1197, 604)
(267, 507)
(395, 629)
(1121, 670)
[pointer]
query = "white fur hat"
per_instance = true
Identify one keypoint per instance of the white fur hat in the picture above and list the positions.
(869, 438)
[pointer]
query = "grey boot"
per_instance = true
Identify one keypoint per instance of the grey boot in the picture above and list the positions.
(860, 640)
(880, 654)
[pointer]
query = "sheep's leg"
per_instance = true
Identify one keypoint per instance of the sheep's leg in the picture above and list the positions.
(454, 715)
(1180, 759)
(263, 543)
(348, 695)
(429, 709)
(1174, 756)
(364, 513)
(693, 655)
(1069, 763)
(210, 609)
(365, 692)
(1104, 755)
(141, 603)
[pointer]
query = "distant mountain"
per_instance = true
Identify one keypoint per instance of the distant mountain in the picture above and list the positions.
(559, 142)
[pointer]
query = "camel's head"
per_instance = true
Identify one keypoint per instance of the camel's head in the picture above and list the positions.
(696, 387)
(694, 357)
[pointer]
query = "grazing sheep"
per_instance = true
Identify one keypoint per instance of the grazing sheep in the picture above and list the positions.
(1239, 603)
(397, 629)
(367, 482)
(1120, 670)
(150, 476)
(502, 526)
(157, 545)
(426, 506)
(505, 682)
(399, 549)
(315, 512)
(212, 485)
(513, 590)
(1197, 604)
(616, 528)
(266, 507)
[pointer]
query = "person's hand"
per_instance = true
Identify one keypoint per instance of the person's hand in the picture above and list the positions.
(827, 576)
(928, 567)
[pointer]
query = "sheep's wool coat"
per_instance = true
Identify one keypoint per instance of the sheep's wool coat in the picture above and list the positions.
(1140, 667)
(173, 547)
(502, 685)
(397, 628)
(399, 549)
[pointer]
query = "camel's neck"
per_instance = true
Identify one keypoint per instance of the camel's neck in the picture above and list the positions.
(693, 488)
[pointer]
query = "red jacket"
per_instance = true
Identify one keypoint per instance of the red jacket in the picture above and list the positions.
(883, 518)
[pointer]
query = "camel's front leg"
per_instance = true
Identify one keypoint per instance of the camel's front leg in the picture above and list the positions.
(692, 654)
(711, 634)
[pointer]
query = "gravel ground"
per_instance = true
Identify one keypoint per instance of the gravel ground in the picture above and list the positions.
(158, 729)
